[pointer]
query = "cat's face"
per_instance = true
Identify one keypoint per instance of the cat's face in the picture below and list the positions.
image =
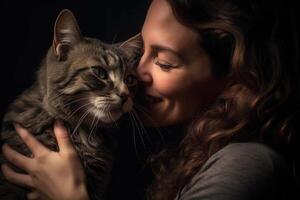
(89, 81)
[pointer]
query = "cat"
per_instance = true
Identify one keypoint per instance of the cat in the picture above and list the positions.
(87, 85)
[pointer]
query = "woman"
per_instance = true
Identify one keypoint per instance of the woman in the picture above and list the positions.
(225, 71)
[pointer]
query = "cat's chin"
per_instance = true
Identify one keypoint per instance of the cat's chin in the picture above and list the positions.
(127, 106)
(109, 116)
(104, 118)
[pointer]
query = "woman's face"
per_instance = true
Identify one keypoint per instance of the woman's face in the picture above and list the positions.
(174, 70)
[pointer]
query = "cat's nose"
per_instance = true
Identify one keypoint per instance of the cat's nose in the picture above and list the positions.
(124, 97)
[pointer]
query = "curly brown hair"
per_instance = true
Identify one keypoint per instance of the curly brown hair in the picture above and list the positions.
(256, 45)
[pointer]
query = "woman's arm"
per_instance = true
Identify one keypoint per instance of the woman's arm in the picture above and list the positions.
(51, 175)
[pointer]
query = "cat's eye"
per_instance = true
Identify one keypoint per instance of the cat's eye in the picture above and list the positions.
(100, 72)
(130, 80)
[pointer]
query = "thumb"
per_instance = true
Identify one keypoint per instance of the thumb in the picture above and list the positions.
(62, 137)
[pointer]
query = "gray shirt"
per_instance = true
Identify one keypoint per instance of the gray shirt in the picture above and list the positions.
(239, 171)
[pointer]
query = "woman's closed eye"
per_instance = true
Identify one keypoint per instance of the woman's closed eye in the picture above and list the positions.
(164, 65)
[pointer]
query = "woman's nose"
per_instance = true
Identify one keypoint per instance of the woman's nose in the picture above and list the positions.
(144, 71)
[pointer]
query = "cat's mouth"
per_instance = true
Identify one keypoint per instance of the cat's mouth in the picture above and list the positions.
(109, 109)
(111, 113)
(116, 109)
(108, 115)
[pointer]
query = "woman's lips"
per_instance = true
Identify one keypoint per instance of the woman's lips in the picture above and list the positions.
(147, 97)
(152, 99)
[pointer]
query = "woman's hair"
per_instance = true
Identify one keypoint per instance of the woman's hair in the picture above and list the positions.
(255, 43)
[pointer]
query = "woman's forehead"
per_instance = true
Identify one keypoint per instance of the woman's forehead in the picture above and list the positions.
(162, 28)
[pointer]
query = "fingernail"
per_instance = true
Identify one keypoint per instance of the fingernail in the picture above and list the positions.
(4, 168)
(3, 147)
(59, 123)
(19, 129)
(17, 126)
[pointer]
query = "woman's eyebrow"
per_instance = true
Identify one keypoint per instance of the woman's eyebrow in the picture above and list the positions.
(158, 48)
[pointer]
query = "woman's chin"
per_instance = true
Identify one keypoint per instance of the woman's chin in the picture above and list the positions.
(152, 121)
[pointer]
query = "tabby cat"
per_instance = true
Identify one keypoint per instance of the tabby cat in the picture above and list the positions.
(87, 85)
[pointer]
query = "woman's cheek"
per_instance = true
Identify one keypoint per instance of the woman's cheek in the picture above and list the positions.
(170, 85)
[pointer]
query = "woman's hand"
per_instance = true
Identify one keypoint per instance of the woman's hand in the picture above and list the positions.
(51, 175)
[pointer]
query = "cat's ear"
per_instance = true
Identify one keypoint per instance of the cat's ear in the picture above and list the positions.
(66, 34)
(134, 45)
(133, 42)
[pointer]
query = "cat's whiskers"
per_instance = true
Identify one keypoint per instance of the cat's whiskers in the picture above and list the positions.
(146, 114)
(84, 105)
(71, 101)
(92, 125)
(96, 125)
(54, 97)
(144, 111)
(133, 128)
(113, 120)
(80, 121)
(140, 134)
(92, 128)
(106, 107)
(74, 101)
(139, 122)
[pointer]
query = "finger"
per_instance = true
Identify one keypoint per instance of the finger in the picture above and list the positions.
(34, 195)
(32, 143)
(16, 158)
(17, 178)
(62, 138)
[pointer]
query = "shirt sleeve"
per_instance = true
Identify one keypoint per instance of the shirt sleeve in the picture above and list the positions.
(239, 171)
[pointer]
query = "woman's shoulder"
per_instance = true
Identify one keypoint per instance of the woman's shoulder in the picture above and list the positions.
(238, 171)
(250, 160)
(239, 154)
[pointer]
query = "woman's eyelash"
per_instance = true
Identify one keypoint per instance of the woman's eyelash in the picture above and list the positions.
(164, 66)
